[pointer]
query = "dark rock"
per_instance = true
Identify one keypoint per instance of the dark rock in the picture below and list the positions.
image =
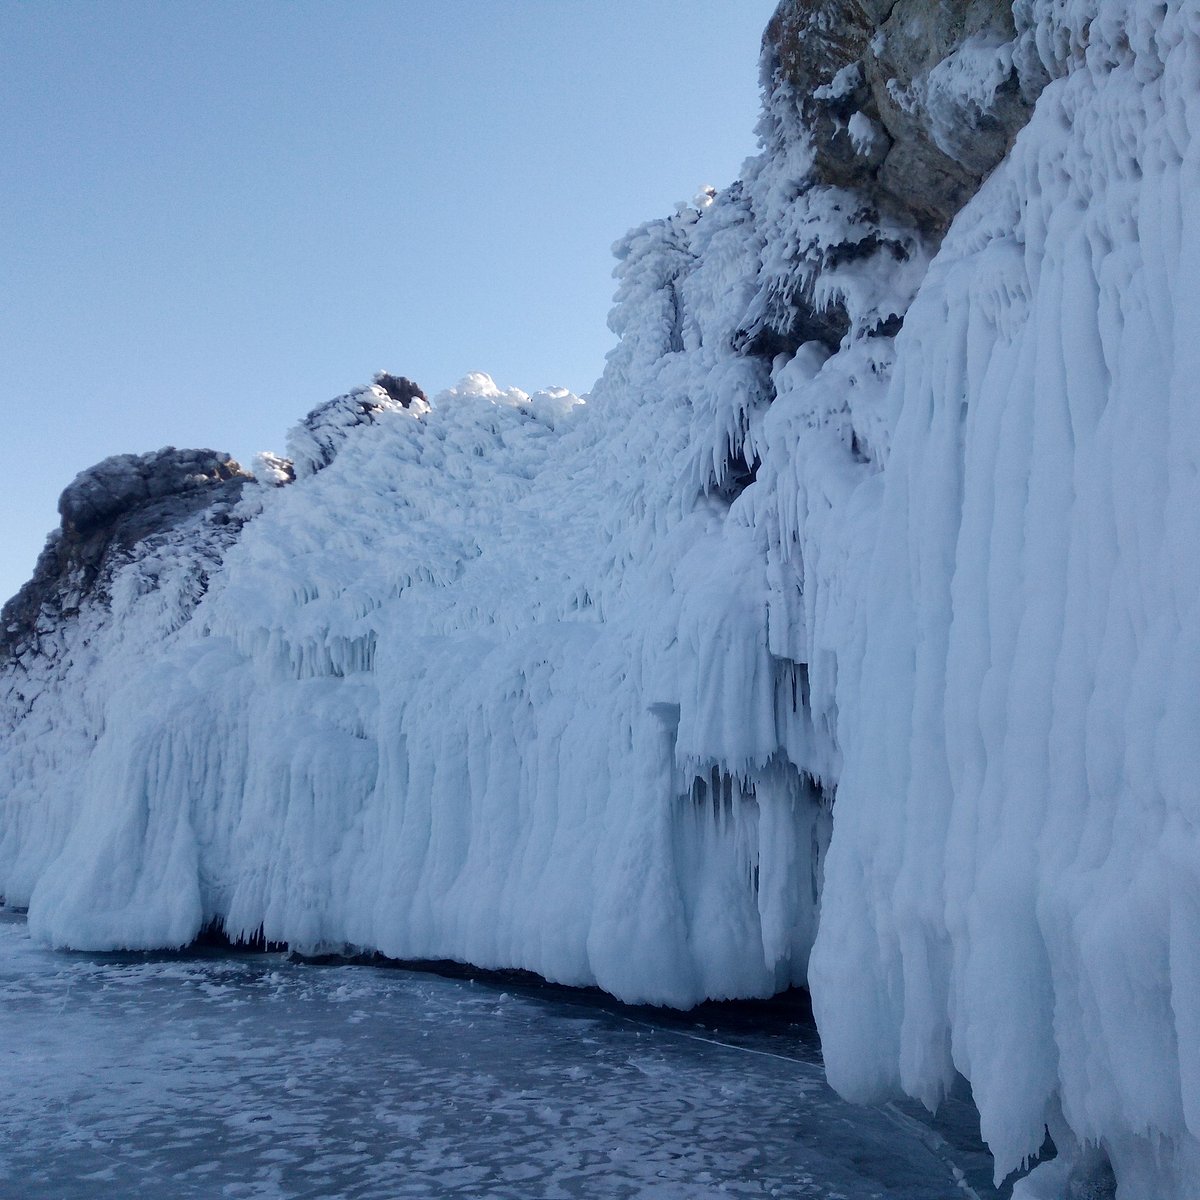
(399, 388)
(126, 482)
(906, 106)
(817, 50)
(895, 65)
(108, 512)
(1092, 1177)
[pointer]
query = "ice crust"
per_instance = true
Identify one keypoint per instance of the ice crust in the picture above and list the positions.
(533, 682)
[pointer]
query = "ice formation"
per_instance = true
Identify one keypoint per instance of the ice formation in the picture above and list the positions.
(1013, 886)
(798, 629)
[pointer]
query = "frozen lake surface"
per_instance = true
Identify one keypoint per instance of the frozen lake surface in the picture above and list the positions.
(242, 1075)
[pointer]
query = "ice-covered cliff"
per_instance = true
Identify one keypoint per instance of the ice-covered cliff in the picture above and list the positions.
(859, 605)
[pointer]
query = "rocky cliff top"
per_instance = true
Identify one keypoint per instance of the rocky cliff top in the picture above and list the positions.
(314, 443)
(121, 508)
(107, 512)
(910, 102)
(124, 483)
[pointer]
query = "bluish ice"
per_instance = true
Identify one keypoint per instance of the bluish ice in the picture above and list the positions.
(220, 1074)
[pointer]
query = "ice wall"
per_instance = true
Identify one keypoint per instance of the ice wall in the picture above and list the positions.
(435, 705)
(536, 682)
(1012, 889)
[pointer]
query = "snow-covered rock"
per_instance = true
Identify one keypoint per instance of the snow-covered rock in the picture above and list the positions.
(109, 512)
(937, 85)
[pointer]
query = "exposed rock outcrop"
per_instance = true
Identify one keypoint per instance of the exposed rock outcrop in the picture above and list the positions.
(881, 118)
(313, 443)
(121, 509)
(108, 512)
(911, 102)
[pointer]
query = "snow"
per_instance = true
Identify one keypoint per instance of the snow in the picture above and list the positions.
(273, 468)
(843, 83)
(313, 443)
(531, 682)
(864, 133)
(964, 85)
(444, 788)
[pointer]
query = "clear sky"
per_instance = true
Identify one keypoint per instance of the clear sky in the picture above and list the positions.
(215, 215)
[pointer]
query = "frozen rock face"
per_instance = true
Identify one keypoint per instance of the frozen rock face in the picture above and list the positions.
(1011, 892)
(314, 442)
(909, 102)
(108, 512)
(882, 119)
(141, 537)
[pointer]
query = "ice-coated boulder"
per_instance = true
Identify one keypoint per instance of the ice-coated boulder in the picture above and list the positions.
(107, 512)
(910, 102)
(313, 443)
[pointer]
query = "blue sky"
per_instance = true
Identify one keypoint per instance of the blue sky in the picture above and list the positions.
(216, 215)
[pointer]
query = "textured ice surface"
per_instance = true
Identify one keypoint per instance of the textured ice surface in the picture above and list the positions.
(1012, 886)
(249, 1076)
